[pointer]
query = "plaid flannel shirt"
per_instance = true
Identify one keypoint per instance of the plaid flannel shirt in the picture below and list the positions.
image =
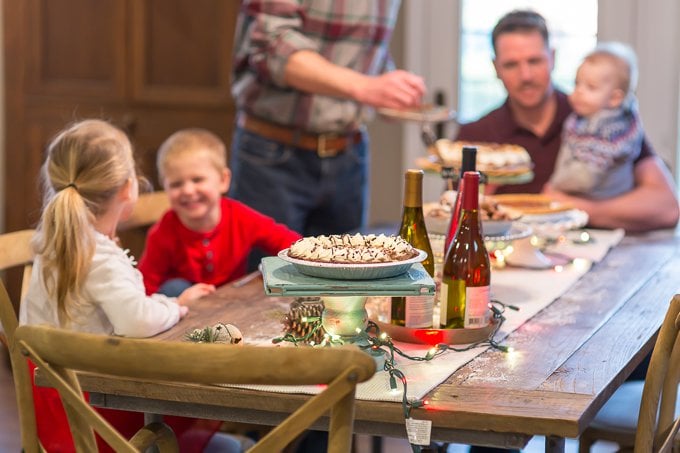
(350, 33)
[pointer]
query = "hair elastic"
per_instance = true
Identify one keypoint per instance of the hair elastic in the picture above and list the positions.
(71, 184)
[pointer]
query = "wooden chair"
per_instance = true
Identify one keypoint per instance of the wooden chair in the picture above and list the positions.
(20, 374)
(16, 250)
(153, 434)
(642, 416)
(148, 209)
(59, 353)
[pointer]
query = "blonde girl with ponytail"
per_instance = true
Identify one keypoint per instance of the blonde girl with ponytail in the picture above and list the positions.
(82, 280)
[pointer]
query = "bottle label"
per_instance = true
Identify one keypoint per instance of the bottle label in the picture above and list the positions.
(419, 311)
(477, 300)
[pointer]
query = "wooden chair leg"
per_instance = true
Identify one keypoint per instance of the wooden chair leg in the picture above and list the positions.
(584, 444)
(342, 415)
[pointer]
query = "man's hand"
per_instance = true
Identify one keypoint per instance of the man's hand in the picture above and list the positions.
(397, 89)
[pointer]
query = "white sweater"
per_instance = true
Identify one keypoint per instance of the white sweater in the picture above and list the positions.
(114, 298)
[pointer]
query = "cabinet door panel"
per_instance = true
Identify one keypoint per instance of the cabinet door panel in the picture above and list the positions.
(151, 127)
(182, 50)
(76, 47)
(73, 59)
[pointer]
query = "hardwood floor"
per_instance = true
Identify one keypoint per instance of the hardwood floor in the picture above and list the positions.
(10, 438)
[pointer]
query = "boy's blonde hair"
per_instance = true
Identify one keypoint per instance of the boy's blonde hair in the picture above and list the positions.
(86, 166)
(191, 141)
(623, 58)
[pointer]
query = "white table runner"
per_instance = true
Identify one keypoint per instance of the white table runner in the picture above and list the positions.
(531, 290)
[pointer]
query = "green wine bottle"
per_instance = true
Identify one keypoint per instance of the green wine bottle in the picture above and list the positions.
(466, 278)
(414, 311)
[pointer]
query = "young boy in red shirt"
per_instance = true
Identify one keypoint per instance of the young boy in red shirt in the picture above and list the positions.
(204, 237)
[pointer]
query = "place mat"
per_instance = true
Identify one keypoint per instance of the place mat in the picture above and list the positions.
(531, 290)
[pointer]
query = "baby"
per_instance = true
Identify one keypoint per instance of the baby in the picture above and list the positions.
(603, 136)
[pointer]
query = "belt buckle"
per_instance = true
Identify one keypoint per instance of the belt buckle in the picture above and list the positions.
(321, 149)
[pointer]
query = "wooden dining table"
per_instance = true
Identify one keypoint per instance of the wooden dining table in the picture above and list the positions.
(554, 387)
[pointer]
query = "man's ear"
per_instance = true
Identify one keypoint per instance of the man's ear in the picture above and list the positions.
(495, 66)
(616, 98)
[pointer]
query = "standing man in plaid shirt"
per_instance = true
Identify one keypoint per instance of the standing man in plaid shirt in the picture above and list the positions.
(304, 73)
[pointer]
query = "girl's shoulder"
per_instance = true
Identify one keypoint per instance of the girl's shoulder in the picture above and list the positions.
(107, 251)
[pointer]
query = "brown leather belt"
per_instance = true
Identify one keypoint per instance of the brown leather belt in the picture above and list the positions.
(324, 145)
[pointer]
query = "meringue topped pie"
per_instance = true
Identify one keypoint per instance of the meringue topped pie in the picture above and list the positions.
(352, 249)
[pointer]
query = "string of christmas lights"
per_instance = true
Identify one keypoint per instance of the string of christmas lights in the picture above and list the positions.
(376, 340)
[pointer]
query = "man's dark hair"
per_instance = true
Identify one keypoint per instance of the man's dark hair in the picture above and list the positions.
(522, 21)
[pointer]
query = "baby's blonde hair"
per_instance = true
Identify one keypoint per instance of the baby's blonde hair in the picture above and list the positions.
(624, 60)
(191, 141)
(86, 166)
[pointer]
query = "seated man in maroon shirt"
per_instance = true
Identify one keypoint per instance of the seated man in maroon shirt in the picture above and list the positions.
(532, 116)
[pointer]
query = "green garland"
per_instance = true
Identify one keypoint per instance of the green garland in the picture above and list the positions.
(376, 340)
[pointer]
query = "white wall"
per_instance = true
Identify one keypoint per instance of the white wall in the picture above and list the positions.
(651, 28)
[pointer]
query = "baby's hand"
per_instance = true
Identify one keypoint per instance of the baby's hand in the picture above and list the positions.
(195, 292)
(183, 310)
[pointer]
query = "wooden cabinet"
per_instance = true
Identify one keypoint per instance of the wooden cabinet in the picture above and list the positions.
(149, 66)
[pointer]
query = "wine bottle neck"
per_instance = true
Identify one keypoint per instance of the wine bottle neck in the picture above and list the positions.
(469, 160)
(471, 192)
(413, 189)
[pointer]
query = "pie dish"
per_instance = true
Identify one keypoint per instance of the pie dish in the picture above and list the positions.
(556, 223)
(426, 113)
(496, 227)
(345, 271)
(492, 158)
(496, 220)
(531, 203)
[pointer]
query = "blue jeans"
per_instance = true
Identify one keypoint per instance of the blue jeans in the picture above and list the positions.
(309, 194)
(174, 287)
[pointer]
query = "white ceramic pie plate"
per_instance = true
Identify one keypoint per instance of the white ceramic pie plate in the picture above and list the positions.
(343, 271)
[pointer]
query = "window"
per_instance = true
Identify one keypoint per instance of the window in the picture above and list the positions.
(573, 32)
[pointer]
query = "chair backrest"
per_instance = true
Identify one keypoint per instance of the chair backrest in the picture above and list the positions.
(657, 428)
(148, 209)
(58, 353)
(20, 373)
(16, 250)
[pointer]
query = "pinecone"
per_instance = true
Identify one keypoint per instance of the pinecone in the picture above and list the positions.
(304, 307)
